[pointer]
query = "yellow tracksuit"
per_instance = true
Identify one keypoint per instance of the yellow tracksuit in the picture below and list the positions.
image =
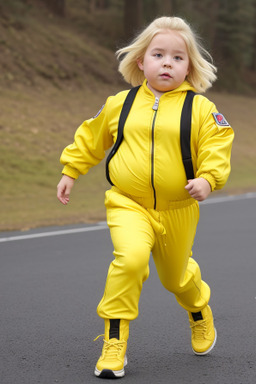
(148, 209)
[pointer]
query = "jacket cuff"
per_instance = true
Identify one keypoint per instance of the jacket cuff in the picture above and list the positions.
(210, 179)
(72, 172)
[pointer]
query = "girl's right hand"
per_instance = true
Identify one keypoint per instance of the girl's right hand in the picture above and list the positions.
(64, 188)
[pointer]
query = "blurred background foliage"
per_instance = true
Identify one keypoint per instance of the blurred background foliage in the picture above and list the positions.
(228, 27)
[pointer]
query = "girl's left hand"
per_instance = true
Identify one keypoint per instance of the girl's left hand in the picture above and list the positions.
(198, 188)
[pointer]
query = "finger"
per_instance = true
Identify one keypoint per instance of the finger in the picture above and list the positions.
(63, 199)
(62, 196)
(188, 187)
(67, 191)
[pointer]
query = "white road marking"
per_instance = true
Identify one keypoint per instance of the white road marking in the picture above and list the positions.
(103, 225)
(53, 233)
(214, 200)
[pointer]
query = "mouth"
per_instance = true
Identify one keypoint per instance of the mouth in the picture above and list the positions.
(166, 75)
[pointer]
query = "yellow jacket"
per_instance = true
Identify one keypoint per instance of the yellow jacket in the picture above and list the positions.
(149, 157)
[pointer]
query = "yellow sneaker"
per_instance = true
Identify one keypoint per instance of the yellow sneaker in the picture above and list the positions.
(203, 332)
(113, 357)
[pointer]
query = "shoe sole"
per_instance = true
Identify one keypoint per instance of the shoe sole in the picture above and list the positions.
(109, 374)
(208, 350)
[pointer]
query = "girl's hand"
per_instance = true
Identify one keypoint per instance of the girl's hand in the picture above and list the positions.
(198, 188)
(64, 188)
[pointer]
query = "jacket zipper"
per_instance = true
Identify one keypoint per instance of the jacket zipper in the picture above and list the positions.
(155, 108)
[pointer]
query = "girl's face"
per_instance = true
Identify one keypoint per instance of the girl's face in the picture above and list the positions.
(165, 63)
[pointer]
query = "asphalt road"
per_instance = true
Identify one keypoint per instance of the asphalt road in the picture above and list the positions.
(51, 280)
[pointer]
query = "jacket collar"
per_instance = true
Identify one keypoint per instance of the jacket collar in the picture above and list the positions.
(184, 87)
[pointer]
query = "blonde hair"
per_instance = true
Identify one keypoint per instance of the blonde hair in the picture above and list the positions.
(202, 71)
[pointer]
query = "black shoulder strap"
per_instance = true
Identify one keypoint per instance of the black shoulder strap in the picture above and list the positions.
(185, 134)
(123, 116)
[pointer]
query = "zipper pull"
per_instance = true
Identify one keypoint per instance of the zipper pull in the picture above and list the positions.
(155, 106)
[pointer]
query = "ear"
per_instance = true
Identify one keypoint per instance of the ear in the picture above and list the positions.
(140, 64)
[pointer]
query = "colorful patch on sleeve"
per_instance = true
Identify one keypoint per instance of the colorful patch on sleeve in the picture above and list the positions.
(220, 120)
(97, 114)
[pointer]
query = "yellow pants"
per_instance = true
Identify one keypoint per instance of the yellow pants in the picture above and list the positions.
(137, 231)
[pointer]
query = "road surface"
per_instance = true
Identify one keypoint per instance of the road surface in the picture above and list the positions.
(52, 279)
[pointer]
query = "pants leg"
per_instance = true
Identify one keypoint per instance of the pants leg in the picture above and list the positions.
(177, 270)
(133, 238)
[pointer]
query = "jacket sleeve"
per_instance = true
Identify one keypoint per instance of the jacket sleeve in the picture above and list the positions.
(91, 141)
(214, 147)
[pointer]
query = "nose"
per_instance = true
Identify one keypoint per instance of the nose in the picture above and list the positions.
(167, 63)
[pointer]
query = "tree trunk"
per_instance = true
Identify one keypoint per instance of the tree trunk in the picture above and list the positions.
(165, 7)
(103, 4)
(57, 6)
(133, 10)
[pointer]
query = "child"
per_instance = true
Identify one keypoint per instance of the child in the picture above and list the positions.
(152, 207)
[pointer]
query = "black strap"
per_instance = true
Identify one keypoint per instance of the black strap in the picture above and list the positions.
(185, 131)
(185, 135)
(114, 329)
(123, 116)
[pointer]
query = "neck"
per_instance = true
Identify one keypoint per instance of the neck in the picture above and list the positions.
(155, 92)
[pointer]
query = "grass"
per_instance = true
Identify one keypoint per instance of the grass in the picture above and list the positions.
(54, 75)
(34, 130)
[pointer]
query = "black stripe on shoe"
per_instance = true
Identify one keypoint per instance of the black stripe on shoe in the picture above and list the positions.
(197, 316)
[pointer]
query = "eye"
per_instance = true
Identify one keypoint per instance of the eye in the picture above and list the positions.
(159, 55)
(177, 58)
